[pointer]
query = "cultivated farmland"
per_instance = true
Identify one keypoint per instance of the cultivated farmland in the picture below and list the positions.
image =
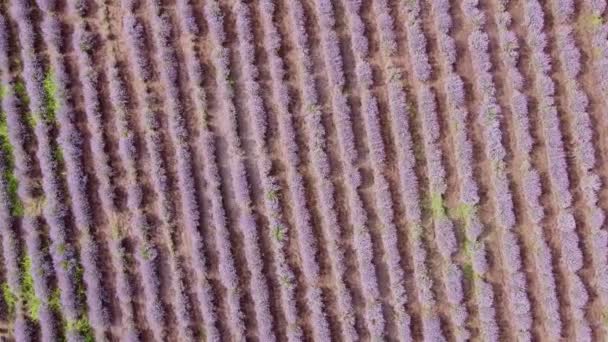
(303, 170)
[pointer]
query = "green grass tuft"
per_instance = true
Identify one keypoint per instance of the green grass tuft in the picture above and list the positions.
(83, 327)
(437, 206)
(468, 272)
(50, 98)
(279, 233)
(463, 212)
(55, 301)
(32, 303)
(9, 297)
(58, 155)
(21, 92)
(272, 195)
(12, 184)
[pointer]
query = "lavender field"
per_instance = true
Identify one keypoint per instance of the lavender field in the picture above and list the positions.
(303, 170)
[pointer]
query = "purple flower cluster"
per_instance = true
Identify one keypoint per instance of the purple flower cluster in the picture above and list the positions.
(65, 260)
(257, 112)
(489, 115)
(531, 186)
(570, 59)
(557, 165)
(378, 155)
(305, 236)
(169, 74)
(128, 156)
(70, 142)
(316, 138)
(30, 223)
(346, 140)
(227, 269)
(399, 116)
(259, 286)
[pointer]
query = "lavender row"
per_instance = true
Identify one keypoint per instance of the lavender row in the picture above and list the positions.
(531, 186)
(227, 269)
(255, 107)
(169, 70)
(600, 64)
(378, 156)
(417, 42)
(128, 155)
(572, 259)
(137, 38)
(570, 59)
(259, 286)
(599, 36)
(155, 309)
(469, 189)
(71, 144)
(11, 246)
(408, 186)
(44, 106)
(30, 223)
(315, 136)
(190, 26)
(306, 240)
(90, 80)
(346, 141)
(489, 113)
(11, 253)
(444, 229)
(12, 249)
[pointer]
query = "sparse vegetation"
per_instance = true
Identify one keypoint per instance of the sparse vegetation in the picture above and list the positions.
(304, 170)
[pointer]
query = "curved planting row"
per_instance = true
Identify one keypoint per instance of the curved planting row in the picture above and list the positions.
(530, 184)
(305, 236)
(378, 157)
(571, 260)
(400, 114)
(295, 170)
(45, 105)
(584, 150)
(257, 111)
(342, 112)
(246, 220)
(36, 290)
(475, 246)
(445, 237)
(71, 144)
(489, 113)
(227, 271)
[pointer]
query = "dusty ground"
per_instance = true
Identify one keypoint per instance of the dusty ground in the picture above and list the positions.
(220, 142)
